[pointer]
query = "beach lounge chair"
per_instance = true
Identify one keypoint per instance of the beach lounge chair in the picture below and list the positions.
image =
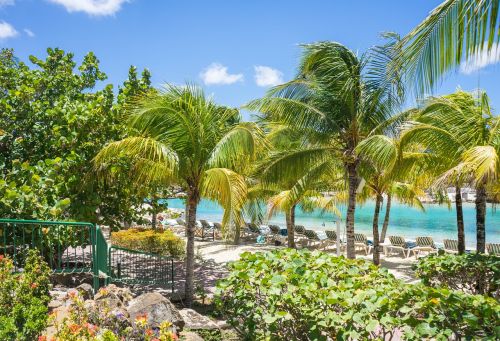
(274, 234)
(253, 229)
(398, 243)
(204, 231)
(361, 241)
(493, 248)
(424, 244)
(314, 241)
(450, 245)
(332, 237)
(217, 230)
(300, 232)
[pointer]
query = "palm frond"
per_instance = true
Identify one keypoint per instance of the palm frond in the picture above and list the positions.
(455, 31)
(227, 188)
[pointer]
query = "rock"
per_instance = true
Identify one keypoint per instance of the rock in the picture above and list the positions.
(190, 336)
(156, 308)
(85, 290)
(196, 321)
(222, 324)
(54, 304)
(112, 297)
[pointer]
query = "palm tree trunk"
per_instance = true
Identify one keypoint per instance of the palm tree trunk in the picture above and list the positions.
(193, 198)
(376, 253)
(386, 218)
(290, 226)
(480, 219)
(237, 234)
(460, 220)
(351, 207)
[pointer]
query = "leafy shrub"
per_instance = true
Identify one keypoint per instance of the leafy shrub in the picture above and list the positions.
(289, 295)
(158, 241)
(471, 273)
(24, 298)
(102, 323)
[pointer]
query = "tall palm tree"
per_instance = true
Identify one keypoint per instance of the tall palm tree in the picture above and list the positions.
(462, 127)
(454, 32)
(335, 101)
(184, 138)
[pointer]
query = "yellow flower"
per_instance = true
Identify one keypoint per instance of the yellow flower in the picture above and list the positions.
(435, 300)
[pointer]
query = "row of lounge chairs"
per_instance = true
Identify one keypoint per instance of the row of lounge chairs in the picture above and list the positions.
(311, 239)
(204, 229)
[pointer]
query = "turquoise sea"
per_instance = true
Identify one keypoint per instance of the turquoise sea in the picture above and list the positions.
(437, 221)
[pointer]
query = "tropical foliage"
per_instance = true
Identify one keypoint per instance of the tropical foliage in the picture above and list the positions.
(24, 298)
(460, 132)
(455, 32)
(290, 294)
(53, 123)
(162, 242)
(183, 137)
(336, 100)
(471, 273)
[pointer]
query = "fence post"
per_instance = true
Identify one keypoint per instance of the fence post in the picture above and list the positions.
(95, 259)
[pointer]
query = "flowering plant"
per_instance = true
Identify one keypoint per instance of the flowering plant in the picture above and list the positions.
(23, 298)
(88, 323)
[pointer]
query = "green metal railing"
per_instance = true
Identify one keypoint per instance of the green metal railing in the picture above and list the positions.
(67, 247)
(77, 247)
(102, 253)
(135, 267)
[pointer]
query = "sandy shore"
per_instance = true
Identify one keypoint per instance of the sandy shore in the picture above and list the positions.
(221, 253)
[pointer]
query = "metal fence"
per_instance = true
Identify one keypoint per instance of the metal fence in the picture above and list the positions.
(135, 267)
(77, 247)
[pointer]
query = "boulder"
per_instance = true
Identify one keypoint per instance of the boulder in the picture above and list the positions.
(85, 290)
(196, 321)
(156, 308)
(112, 297)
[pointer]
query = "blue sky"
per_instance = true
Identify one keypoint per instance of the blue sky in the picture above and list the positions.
(222, 45)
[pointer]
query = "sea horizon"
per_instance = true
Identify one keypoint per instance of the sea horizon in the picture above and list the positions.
(437, 221)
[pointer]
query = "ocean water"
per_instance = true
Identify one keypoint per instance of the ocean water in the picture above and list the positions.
(437, 221)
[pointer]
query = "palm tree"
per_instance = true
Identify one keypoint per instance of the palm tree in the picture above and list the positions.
(184, 138)
(462, 127)
(335, 101)
(382, 163)
(286, 194)
(455, 31)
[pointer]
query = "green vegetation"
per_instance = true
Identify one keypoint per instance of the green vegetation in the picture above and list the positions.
(168, 149)
(335, 101)
(455, 31)
(290, 294)
(471, 273)
(53, 123)
(161, 242)
(24, 298)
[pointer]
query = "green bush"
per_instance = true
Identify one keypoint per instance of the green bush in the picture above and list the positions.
(302, 295)
(471, 273)
(157, 241)
(24, 298)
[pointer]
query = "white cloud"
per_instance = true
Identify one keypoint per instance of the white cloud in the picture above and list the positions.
(29, 32)
(7, 31)
(217, 74)
(92, 7)
(6, 3)
(267, 76)
(482, 59)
